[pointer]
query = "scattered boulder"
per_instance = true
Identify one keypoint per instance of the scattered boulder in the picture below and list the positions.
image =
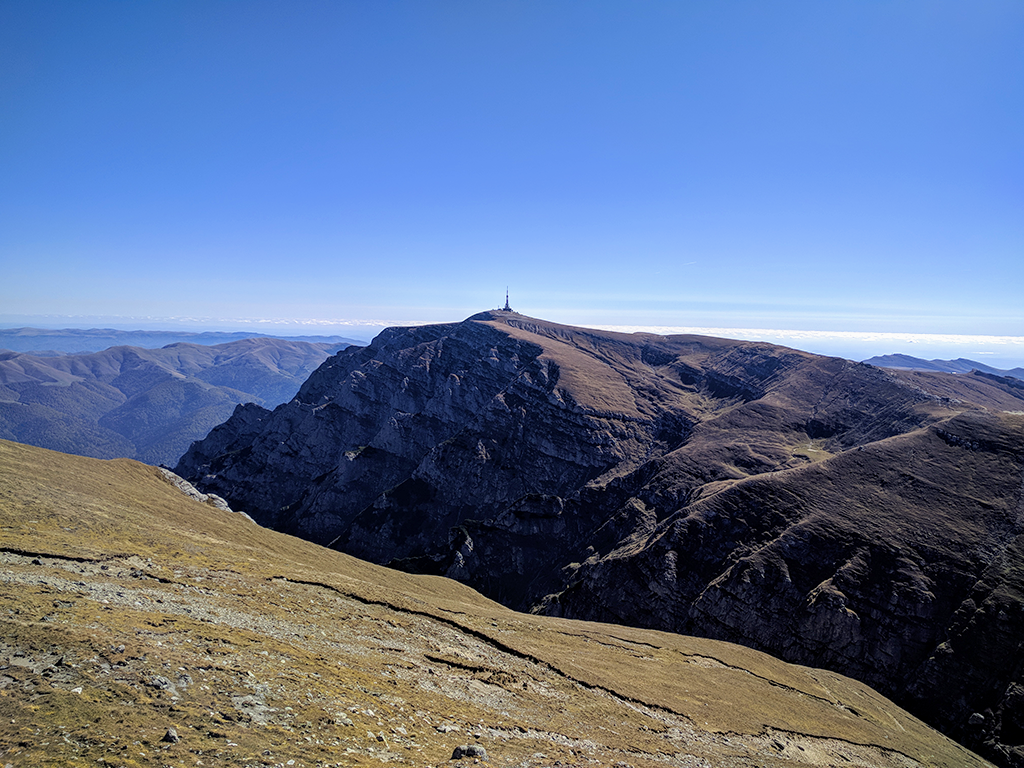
(160, 682)
(469, 750)
(171, 737)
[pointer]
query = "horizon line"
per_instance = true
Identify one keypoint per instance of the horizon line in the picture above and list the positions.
(88, 322)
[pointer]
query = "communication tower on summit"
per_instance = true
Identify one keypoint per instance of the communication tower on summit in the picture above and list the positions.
(506, 308)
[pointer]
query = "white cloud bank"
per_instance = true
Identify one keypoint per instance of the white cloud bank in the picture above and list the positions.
(997, 351)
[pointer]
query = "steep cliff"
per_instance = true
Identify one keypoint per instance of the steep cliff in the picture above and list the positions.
(829, 512)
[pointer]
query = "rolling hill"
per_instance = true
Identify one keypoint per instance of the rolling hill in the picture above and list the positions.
(47, 342)
(148, 404)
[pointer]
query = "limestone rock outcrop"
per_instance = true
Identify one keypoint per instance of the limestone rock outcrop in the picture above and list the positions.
(829, 512)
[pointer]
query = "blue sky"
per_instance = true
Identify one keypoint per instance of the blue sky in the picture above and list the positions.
(829, 166)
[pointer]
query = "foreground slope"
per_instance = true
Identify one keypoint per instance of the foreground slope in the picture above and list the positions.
(830, 512)
(139, 626)
(148, 404)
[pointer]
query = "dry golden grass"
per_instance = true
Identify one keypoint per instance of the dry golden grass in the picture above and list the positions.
(128, 609)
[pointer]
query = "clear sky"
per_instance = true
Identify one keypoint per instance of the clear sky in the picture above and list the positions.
(829, 166)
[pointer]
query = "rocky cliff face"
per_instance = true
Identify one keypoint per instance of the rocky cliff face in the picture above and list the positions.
(829, 512)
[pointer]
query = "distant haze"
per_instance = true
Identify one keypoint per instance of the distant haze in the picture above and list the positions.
(997, 351)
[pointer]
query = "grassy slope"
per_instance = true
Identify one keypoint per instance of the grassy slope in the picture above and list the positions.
(128, 608)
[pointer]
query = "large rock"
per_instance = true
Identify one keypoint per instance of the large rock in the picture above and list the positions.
(829, 512)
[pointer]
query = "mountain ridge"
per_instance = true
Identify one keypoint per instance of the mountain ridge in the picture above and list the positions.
(682, 483)
(45, 342)
(144, 403)
(960, 365)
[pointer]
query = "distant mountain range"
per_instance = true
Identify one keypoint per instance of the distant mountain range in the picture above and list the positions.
(148, 404)
(48, 342)
(831, 513)
(960, 365)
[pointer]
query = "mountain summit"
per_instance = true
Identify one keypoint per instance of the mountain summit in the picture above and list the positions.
(829, 512)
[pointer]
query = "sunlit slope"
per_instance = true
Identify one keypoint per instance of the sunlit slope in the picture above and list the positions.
(129, 609)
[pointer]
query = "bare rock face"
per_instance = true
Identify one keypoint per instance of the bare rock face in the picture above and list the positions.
(831, 513)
